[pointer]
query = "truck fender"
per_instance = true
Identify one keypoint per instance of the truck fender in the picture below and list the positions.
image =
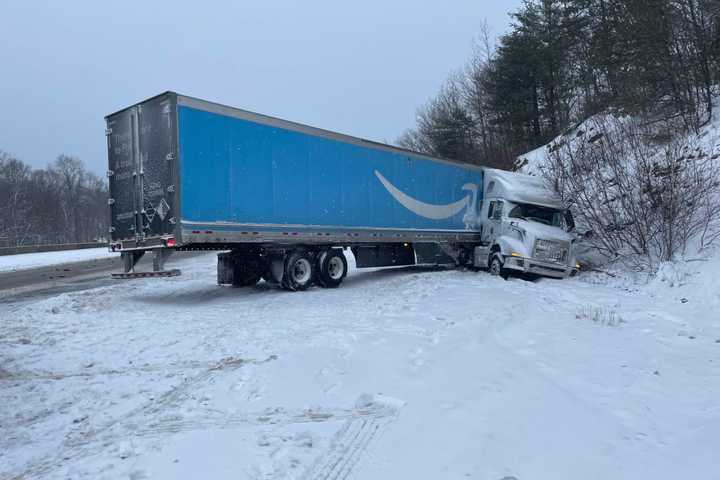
(508, 245)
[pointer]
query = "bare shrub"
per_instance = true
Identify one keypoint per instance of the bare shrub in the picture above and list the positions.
(604, 316)
(639, 199)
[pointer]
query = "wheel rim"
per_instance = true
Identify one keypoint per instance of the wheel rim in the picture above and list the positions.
(336, 268)
(495, 267)
(301, 271)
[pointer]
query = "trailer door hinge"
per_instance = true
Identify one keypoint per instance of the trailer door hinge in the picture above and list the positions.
(111, 201)
(171, 189)
(111, 229)
(110, 173)
(172, 220)
(108, 131)
(170, 157)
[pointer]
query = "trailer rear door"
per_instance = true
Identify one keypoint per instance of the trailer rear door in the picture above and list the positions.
(142, 172)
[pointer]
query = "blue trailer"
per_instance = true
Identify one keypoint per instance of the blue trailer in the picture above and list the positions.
(278, 198)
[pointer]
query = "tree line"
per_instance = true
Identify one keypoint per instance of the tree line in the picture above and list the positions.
(565, 60)
(63, 203)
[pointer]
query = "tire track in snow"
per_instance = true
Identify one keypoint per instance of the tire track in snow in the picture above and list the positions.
(176, 367)
(353, 439)
(81, 444)
(278, 416)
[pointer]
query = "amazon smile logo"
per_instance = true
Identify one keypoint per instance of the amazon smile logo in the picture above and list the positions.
(430, 210)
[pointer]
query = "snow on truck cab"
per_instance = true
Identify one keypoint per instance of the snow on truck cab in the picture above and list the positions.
(524, 227)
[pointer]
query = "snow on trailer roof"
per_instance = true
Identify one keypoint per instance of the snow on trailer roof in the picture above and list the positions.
(520, 188)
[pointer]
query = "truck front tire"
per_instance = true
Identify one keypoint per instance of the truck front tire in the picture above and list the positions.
(332, 268)
(497, 268)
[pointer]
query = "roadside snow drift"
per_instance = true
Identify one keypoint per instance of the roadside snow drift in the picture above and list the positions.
(402, 373)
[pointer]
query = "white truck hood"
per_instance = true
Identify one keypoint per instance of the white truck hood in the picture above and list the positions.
(546, 232)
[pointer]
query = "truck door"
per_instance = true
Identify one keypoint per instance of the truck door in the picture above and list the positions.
(492, 224)
(141, 154)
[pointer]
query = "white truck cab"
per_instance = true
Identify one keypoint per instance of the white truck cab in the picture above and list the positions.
(524, 228)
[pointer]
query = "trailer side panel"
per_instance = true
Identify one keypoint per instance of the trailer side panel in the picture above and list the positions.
(240, 175)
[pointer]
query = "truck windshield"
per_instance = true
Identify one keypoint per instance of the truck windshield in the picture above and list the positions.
(536, 213)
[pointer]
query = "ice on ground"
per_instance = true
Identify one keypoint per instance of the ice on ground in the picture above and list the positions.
(400, 373)
(24, 261)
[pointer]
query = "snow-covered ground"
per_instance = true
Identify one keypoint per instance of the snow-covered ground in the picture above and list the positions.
(403, 373)
(24, 261)
(701, 144)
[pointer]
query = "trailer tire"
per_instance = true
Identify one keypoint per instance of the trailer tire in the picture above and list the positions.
(299, 271)
(332, 268)
(496, 267)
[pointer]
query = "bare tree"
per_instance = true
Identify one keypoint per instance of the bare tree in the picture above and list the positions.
(64, 203)
(641, 200)
(13, 195)
(71, 176)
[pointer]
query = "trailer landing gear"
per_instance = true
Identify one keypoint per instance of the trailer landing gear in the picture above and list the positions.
(131, 258)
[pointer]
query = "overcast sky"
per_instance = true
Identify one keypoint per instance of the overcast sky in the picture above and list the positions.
(360, 68)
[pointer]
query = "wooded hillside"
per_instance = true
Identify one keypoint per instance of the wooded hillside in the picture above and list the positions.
(565, 60)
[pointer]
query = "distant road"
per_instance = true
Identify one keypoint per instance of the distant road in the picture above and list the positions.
(67, 277)
(56, 278)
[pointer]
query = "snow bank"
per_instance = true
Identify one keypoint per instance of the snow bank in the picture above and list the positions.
(24, 261)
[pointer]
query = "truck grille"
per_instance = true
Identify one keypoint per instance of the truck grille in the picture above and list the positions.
(551, 251)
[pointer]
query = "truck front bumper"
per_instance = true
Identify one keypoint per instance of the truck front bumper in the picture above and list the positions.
(537, 267)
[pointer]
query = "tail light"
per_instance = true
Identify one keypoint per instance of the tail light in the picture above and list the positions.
(170, 242)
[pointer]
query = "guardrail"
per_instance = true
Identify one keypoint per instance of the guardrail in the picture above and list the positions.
(49, 248)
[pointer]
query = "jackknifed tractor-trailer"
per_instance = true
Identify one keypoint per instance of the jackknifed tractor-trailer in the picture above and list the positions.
(281, 201)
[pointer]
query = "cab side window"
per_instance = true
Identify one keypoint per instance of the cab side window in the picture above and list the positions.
(495, 210)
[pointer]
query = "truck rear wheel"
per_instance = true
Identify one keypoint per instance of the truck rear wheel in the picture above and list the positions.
(332, 268)
(299, 272)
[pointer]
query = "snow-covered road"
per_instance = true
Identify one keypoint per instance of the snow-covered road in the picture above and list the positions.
(405, 373)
